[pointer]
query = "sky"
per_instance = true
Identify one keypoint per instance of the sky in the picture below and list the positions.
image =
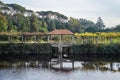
(108, 10)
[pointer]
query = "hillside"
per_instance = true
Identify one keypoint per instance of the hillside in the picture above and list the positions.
(16, 18)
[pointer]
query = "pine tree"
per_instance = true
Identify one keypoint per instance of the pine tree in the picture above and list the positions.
(100, 24)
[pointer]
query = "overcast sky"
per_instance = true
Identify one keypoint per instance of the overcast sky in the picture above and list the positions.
(109, 10)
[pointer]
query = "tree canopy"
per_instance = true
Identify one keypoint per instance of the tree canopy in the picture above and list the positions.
(3, 23)
(100, 24)
(16, 18)
(17, 7)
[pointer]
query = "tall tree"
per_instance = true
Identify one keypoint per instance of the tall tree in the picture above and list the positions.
(52, 26)
(117, 28)
(87, 23)
(44, 27)
(19, 22)
(74, 25)
(34, 26)
(17, 7)
(100, 24)
(90, 29)
(3, 23)
(10, 24)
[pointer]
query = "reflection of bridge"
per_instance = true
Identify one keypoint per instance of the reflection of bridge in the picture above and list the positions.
(62, 44)
(60, 59)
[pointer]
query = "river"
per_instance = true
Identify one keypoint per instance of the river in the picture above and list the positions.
(83, 71)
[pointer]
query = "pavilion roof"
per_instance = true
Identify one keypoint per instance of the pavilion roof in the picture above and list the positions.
(61, 32)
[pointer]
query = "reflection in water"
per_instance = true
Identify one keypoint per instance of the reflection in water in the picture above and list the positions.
(103, 66)
(24, 64)
(35, 70)
(82, 65)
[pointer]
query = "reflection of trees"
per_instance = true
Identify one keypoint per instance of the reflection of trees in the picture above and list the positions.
(88, 65)
(103, 66)
(18, 64)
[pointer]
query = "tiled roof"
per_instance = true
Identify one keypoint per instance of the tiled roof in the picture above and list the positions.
(61, 32)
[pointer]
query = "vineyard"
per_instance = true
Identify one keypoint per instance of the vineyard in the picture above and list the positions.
(80, 38)
(98, 37)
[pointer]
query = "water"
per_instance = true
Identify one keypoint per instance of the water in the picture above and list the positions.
(83, 71)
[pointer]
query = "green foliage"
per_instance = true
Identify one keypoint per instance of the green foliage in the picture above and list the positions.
(88, 25)
(74, 25)
(48, 14)
(5, 8)
(34, 24)
(17, 7)
(100, 25)
(97, 49)
(11, 27)
(3, 23)
(44, 27)
(101, 48)
(52, 26)
(1, 3)
(24, 48)
(19, 21)
(99, 37)
(90, 29)
(117, 28)
(84, 48)
(47, 21)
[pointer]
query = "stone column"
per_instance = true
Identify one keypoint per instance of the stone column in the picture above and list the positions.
(111, 65)
(35, 38)
(60, 38)
(38, 38)
(73, 39)
(9, 39)
(96, 40)
(48, 38)
(73, 64)
(110, 39)
(22, 38)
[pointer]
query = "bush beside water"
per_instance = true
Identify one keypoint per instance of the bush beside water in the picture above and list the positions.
(96, 48)
(44, 51)
(96, 51)
(23, 51)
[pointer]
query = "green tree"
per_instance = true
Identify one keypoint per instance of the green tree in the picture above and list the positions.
(19, 22)
(26, 27)
(17, 7)
(3, 23)
(1, 3)
(52, 26)
(34, 24)
(11, 26)
(109, 29)
(74, 25)
(117, 28)
(90, 29)
(10, 23)
(44, 27)
(87, 25)
(100, 24)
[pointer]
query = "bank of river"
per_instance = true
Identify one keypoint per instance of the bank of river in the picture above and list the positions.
(44, 51)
